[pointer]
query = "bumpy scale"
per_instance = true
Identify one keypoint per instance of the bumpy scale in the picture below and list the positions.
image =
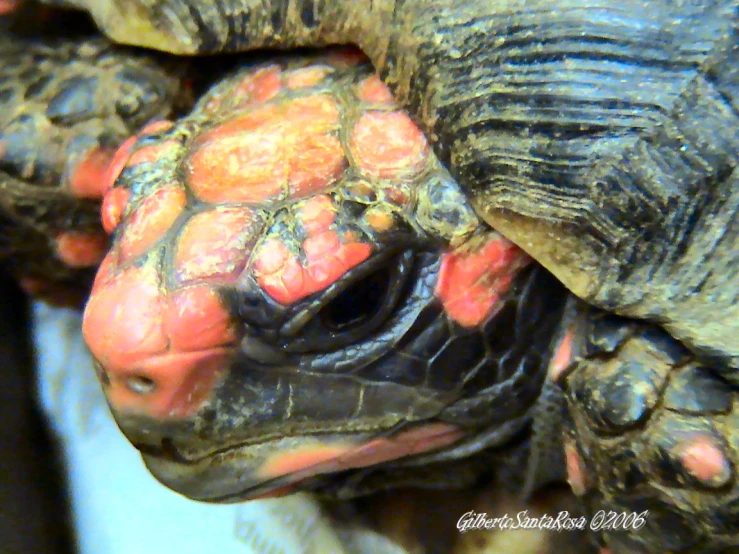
(288, 182)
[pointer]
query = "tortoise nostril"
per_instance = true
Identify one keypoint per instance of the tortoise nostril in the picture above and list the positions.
(140, 384)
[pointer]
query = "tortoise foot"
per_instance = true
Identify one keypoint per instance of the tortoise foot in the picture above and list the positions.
(652, 442)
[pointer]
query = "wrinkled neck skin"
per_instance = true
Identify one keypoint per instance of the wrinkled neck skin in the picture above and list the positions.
(293, 296)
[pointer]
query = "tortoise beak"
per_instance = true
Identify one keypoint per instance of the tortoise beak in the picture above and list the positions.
(280, 466)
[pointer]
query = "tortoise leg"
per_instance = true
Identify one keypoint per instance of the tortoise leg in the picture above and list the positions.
(651, 440)
(67, 106)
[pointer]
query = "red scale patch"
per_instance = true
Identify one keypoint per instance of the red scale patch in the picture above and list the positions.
(151, 219)
(280, 273)
(90, 176)
(114, 206)
(470, 284)
(305, 77)
(272, 151)
(373, 91)
(81, 249)
(388, 145)
(177, 344)
(215, 245)
(259, 87)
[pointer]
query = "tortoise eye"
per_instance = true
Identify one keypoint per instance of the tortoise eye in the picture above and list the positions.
(358, 303)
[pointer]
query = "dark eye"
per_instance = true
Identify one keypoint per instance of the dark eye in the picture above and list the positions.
(357, 304)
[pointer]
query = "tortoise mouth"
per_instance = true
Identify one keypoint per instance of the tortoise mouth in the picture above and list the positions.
(283, 466)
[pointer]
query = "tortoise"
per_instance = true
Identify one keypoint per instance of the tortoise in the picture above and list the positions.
(544, 279)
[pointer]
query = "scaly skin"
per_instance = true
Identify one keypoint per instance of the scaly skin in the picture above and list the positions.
(299, 266)
(236, 231)
(296, 233)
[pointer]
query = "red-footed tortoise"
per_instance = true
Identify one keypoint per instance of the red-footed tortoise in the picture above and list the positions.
(304, 292)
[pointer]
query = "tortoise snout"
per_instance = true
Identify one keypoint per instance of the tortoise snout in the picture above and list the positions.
(168, 386)
(159, 353)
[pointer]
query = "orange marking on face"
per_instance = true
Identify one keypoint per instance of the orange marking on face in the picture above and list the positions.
(575, 472)
(265, 117)
(318, 459)
(397, 193)
(89, 178)
(470, 283)
(275, 493)
(182, 383)
(152, 153)
(286, 463)
(319, 113)
(195, 319)
(151, 219)
(315, 165)
(317, 214)
(380, 220)
(260, 86)
(116, 165)
(81, 249)
(269, 152)
(114, 206)
(562, 356)
(281, 275)
(305, 77)
(247, 167)
(703, 459)
(373, 91)
(215, 245)
(122, 324)
(388, 145)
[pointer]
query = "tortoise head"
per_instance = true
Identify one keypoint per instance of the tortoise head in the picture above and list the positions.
(297, 288)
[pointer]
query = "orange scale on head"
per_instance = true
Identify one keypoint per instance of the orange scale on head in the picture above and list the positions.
(471, 283)
(156, 127)
(150, 220)
(259, 118)
(388, 145)
(260, 86)
(153, 152)
(319, 245)
(90, 176)
(215, 245)
(123, 321)
(305, 76)
(8, 6)
(317, 214)
(315, 164)
(373, 91)
(113, 208)
(81, 249)
(118, 162)
(196, 319)
(240, 167)
(175, 385)
(312, 114)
